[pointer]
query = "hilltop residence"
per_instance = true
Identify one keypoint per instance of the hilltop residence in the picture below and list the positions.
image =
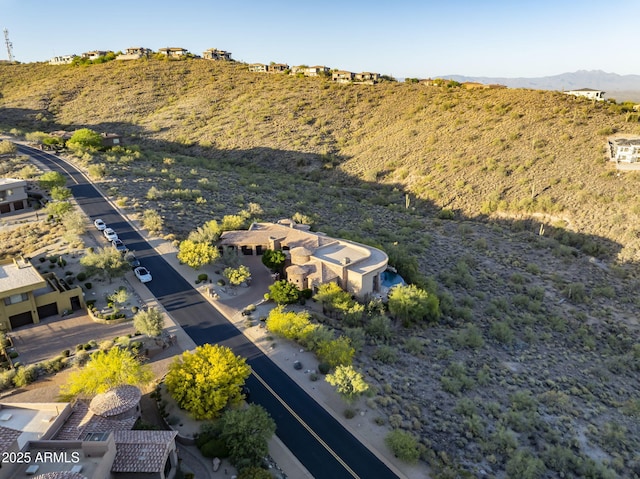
(310, 71)
(135, 53)
(26, 296)
(278, 68)
(258, 68)
(367, 77)
(314, 258)
(94, 55)
(173, 52)
(89, 440)
(587, 93)
(215, 54)
(624, 149)
(62, 60)
(13, 195)
(342, 76)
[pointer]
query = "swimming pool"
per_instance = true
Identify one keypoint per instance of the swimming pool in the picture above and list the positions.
(389, 279)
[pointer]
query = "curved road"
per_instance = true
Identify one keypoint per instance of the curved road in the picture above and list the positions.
(319, 442)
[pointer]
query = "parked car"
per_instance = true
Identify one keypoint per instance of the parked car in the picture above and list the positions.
(110, 234)
(132, 260)
(142, 274)
(100, 225)
(119, 245)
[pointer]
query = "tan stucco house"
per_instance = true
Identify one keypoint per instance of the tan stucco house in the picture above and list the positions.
(13, 195)
(342, 76)
(173, 52)
(134, 53)
(26, 296)
(215, 54)
(314, 258)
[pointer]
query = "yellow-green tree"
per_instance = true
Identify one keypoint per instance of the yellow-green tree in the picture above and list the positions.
(207, 380)
(108, 261)
(196, 254)
(104, 371)
(412, 304)
(348, 382)
(289, 324)
(237, 276)
(337, 352)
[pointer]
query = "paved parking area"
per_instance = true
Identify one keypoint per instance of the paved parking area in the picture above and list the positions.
(46, 340)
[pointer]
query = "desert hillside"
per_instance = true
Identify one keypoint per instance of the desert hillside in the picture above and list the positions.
(501, 201)
(477, 152)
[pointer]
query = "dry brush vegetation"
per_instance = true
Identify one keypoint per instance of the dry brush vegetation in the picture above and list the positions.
(503, 197)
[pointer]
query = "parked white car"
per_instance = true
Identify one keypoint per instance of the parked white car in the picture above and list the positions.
(110, 234)
(100, 225)
(142, 274)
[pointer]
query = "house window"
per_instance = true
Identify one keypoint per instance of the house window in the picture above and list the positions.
(16, 298)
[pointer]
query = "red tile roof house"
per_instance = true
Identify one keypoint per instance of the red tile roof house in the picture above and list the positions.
(90, 441)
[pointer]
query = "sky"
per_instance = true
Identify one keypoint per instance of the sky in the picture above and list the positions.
(401, 38)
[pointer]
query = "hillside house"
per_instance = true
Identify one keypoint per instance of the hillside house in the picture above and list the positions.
(135, 53)
(26, 296)
(314, 258)
(91, 440)
(62, 60)
(342, 76)
(313, 71)
(278, 68)
(587, 93)
(95, 54)
(173, 52)
(366, 77)
(215, 54)
(624, 149)
(13, 195)
(258, 68)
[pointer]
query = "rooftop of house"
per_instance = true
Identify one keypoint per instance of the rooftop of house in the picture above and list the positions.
(141, 451)
(115, 401)
(30, 420)
(627, 140)
(12, 182)
(19, 274)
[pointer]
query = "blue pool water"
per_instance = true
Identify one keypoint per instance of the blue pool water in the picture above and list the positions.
(388, 279)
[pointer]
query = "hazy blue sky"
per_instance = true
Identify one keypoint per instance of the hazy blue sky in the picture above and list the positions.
(403, 38)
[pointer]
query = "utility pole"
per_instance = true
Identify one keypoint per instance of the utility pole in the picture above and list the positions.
(9, 45)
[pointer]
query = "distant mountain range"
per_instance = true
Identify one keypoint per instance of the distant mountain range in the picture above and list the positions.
(620, 87)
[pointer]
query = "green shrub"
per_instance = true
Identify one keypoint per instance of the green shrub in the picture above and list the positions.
(89, 286)
(403, 445)
(81, 276)
(502, 332)
(6, 379)
(524, 465)
(324, 368)
(202, 277)
(25, 375)
(215, 448)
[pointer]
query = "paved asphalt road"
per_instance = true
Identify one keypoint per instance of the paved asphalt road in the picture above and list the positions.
(322, 444)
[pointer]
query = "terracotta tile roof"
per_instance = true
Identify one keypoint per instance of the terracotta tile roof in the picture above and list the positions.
(7, 437)
(115, 401)
(142, 451)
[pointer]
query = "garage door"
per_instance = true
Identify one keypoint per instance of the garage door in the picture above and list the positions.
(47, 310)
(21, 319)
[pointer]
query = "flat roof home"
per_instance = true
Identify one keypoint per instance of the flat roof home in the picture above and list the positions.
(62, 60)
(95, 54)
(278, 68)
(173, 52)
(587, 93)
(134, 53)
(258, 68)
(13, 195)
(26, 296)
(215, 54)
(624, 149)
(342, 76)
(314, 258)
(367, 77)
